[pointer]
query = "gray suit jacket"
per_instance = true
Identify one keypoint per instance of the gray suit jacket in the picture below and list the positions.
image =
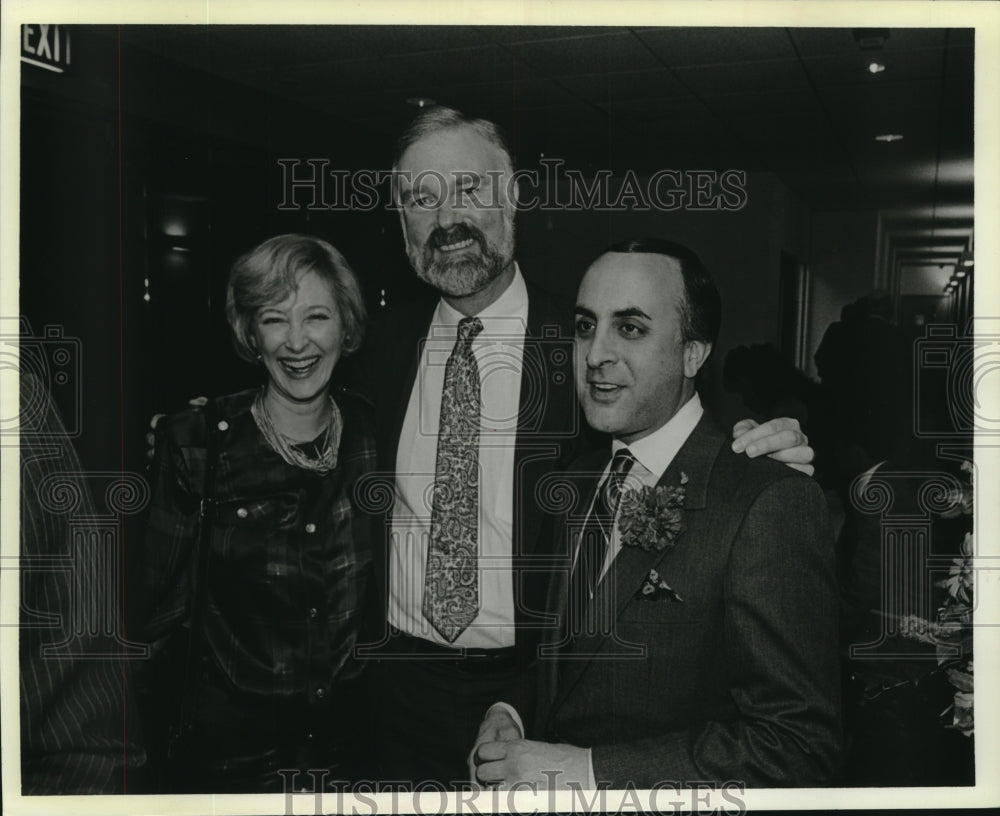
(739, 680)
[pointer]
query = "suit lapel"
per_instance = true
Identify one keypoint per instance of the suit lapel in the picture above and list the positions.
(546, 410)
(583, 472)
(632, 565)
(694, 461)
(400, 347)
(408, 347)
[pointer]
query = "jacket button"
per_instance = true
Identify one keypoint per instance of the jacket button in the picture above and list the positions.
(223, 425)
(242, 512)
(320, 693)
(313, 612)
(310, 527)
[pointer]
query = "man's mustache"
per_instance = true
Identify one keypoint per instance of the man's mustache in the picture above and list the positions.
(459, 232)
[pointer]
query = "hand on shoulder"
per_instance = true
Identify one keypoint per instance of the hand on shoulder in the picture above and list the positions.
(782, 439)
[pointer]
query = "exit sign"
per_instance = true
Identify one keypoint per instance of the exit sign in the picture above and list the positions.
(47, 46)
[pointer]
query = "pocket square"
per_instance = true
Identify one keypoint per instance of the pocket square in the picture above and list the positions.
(654, 588)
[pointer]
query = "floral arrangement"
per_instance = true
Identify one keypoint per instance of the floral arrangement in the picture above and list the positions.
(652, 517)
(951, 632)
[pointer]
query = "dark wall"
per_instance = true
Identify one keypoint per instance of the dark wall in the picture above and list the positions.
(120, 155)
(71, 228)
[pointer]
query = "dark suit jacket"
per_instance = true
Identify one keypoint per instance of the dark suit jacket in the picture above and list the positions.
(739, 680)
(548, 426)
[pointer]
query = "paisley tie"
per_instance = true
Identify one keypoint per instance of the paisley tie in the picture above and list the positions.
(451, 579)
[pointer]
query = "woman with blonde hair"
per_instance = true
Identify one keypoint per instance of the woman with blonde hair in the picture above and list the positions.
(257, 557)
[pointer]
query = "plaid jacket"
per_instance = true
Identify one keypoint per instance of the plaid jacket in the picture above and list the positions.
(290, 559)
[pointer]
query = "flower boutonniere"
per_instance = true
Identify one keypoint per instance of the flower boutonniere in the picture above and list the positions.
(652, 517)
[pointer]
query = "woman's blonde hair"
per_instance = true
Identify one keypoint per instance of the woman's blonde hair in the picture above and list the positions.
(270, 272)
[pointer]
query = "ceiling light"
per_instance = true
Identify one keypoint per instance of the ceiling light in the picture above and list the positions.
(420, 101)
(175, 227)
(876, 67)
(889, 137)
(870, 39)
(968, 262)
(960, 273)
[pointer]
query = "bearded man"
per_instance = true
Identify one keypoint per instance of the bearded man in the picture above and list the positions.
(475, 407)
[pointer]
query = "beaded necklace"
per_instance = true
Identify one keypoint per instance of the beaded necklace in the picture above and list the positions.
(288, 450)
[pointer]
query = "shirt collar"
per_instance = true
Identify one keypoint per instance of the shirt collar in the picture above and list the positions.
(512, 303)
(656, 451)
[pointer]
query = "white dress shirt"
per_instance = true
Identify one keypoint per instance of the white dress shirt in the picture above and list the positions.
(499, 351)
(653, 455)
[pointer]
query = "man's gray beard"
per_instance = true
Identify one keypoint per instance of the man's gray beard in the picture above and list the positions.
(462, 276)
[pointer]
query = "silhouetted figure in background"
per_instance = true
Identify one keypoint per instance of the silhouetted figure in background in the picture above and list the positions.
(835, 350)
(864, 363)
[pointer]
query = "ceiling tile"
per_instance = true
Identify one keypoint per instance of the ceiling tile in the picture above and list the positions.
(747, 77)
(354, 77)
(604, 88)
(466, 65)
(607, 98)
(525, 34)
(586, 55)
(774, 101)
(797, 131)
(884, 107)
(245, 49)
(817, 42)
(505, 95)
(835, 186)
(852, 69)
(658, 109)
(396, 40)
(713, 46)
(291, 45)
(185, 44)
